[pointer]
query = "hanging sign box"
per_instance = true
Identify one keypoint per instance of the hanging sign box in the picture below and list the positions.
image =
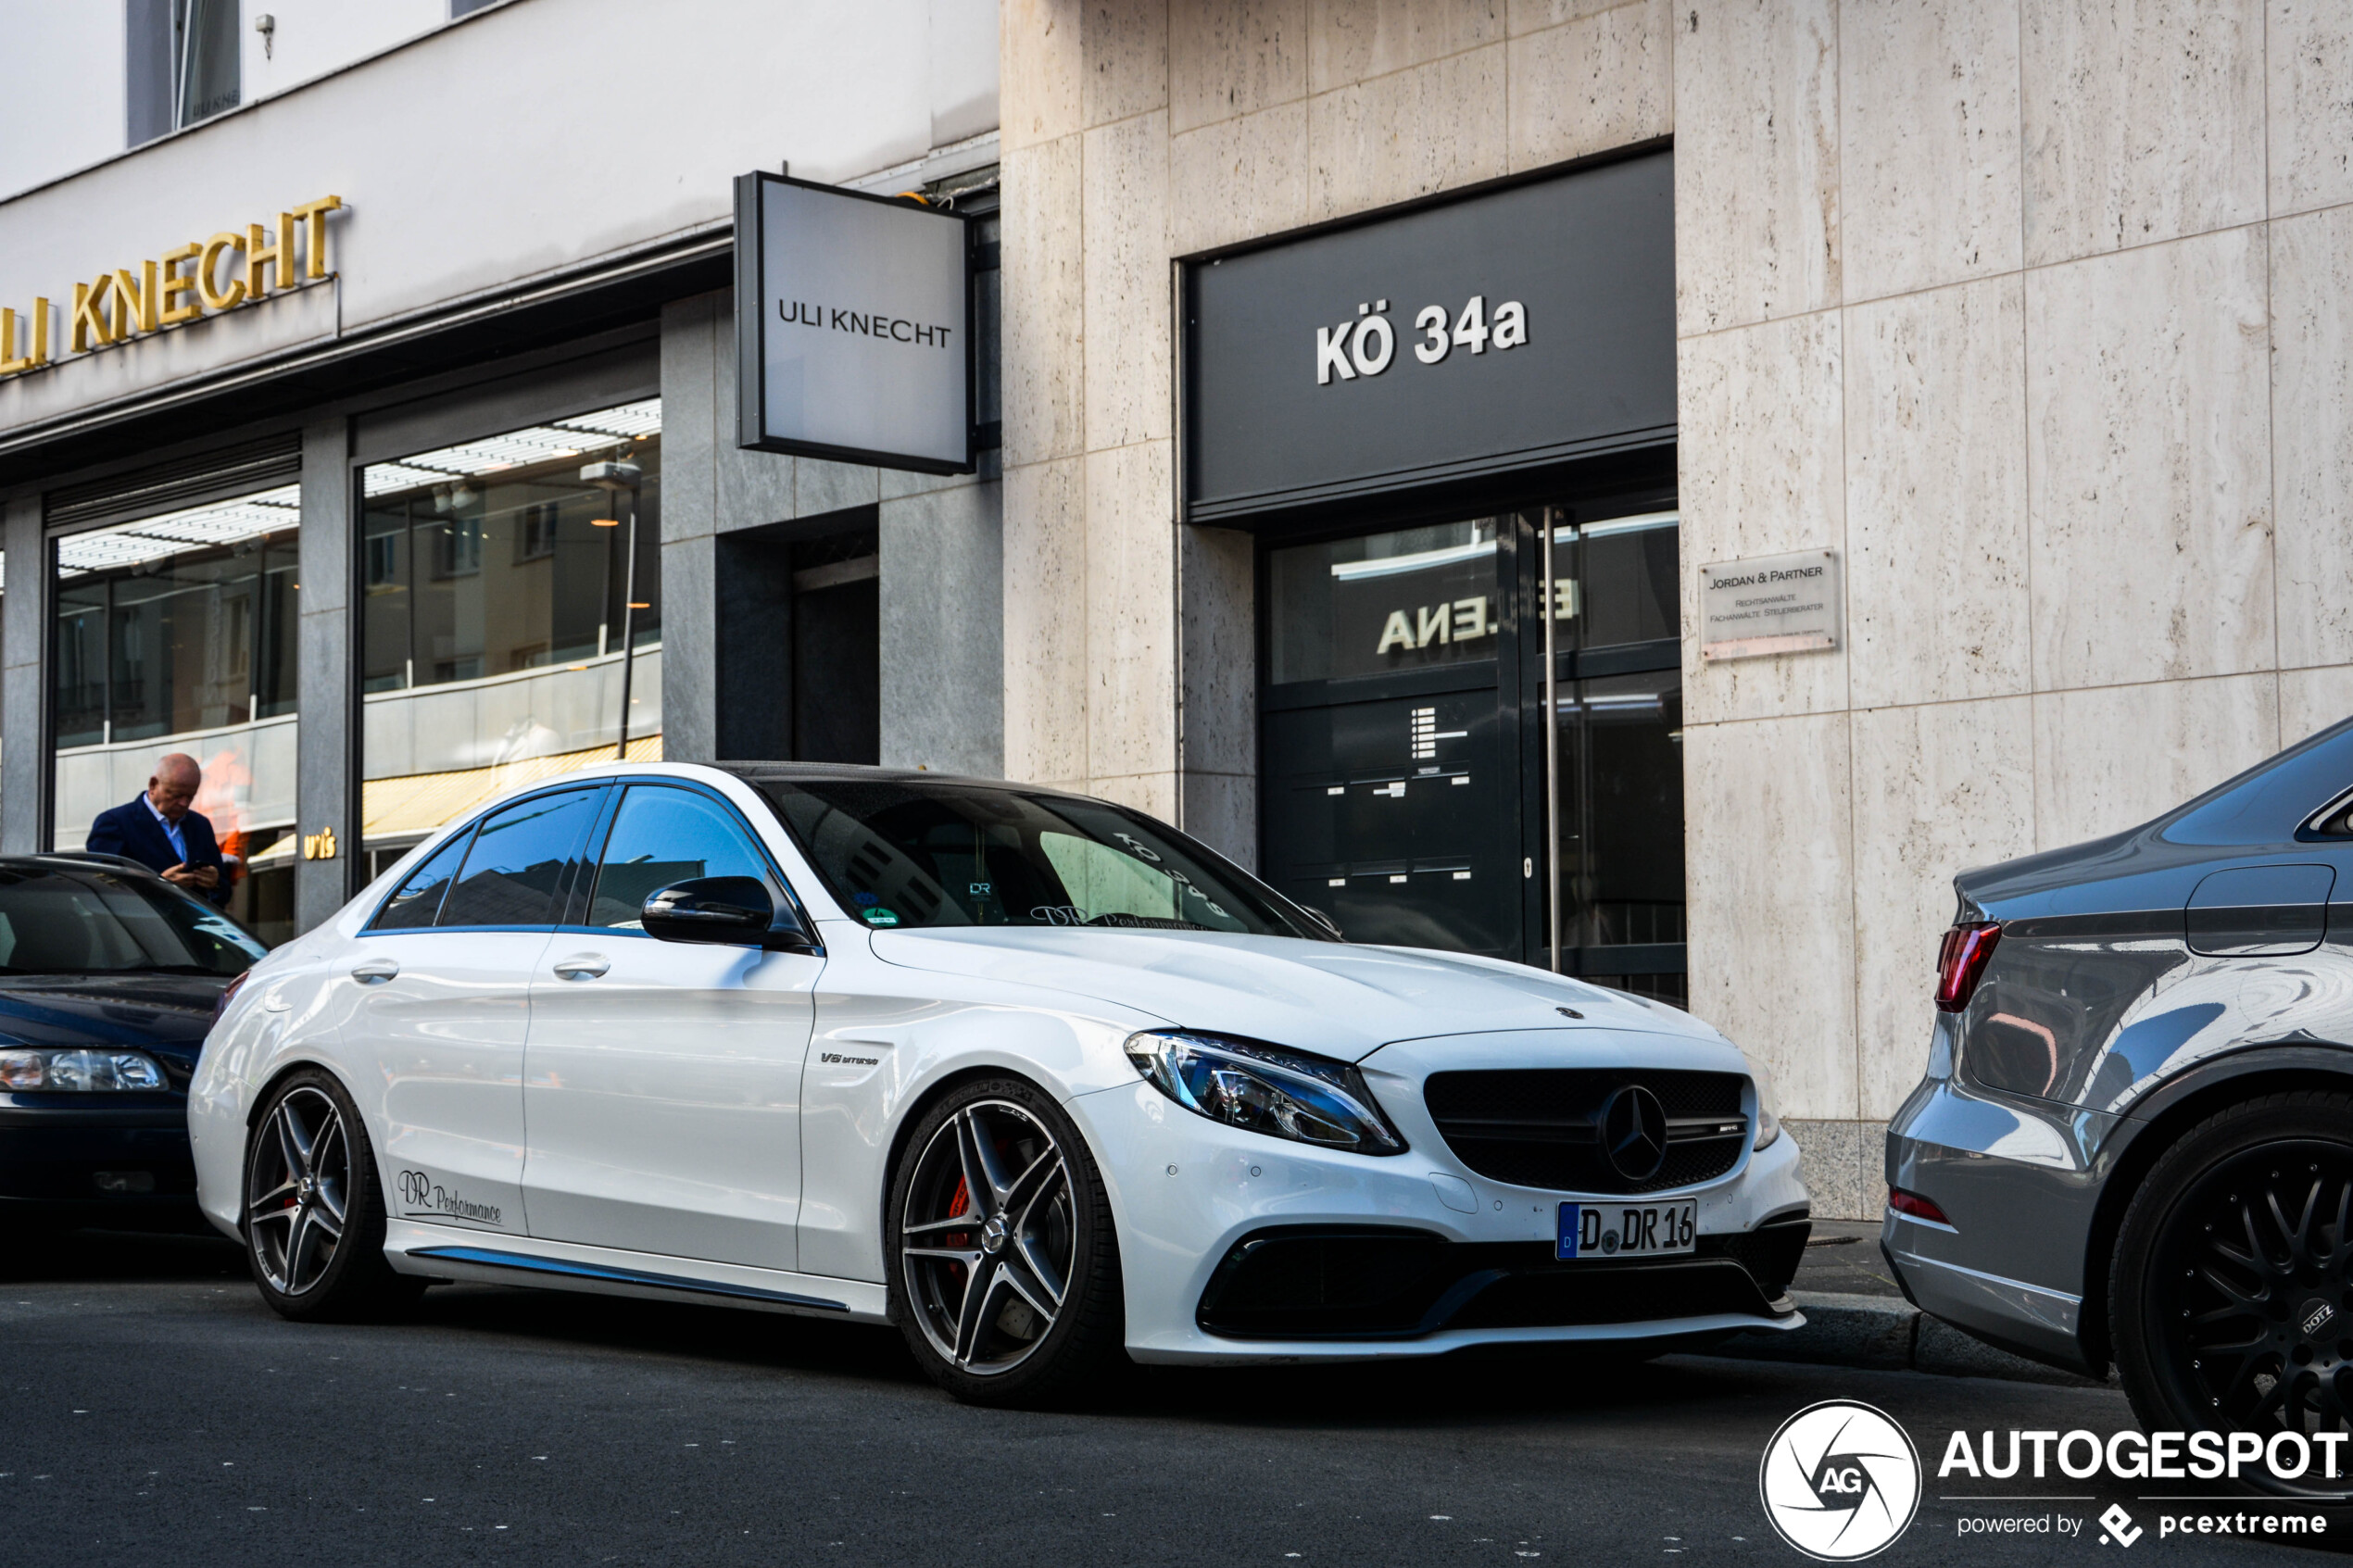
(854, 326)
(1770, 604)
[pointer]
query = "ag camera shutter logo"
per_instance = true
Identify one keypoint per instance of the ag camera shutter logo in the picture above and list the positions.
(1840, 1481)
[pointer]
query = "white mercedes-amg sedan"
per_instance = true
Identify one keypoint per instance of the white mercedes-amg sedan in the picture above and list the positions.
(1037, 1078)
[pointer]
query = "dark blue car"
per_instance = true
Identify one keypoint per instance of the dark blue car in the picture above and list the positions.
(109, 977)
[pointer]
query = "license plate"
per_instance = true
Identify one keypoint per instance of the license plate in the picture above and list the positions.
(1627, 1230)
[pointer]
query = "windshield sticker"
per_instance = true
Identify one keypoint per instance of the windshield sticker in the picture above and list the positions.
(879, 917)
(1059, 914)
(866, 900)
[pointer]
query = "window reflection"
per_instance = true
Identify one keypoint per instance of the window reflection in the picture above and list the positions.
(495, 582)
(176, 633)
(1384, 602)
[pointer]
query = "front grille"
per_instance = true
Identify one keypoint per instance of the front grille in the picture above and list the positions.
(1383, 1283)
(1540, 1127)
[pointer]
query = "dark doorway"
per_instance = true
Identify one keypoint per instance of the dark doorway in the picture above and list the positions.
(799, 643)
(1404, 733)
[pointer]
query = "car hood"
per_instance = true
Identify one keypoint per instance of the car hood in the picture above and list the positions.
(1339, 1000)
(168, 1011)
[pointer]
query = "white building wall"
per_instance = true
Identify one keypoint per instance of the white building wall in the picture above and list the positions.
(522, 141)
(64, 102)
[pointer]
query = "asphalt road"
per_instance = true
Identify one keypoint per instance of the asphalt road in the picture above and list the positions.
(153, 1412)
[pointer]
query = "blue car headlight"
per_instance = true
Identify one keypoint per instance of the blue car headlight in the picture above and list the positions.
(79, 1070)
(1283, 1093)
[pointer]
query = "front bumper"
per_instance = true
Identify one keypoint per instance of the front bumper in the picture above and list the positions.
(1187, 1192)
(2018, 1182)
(97, 1164)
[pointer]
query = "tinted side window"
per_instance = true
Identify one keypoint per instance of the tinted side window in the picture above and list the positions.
(662, 836)
(419, 898)
(521, 860)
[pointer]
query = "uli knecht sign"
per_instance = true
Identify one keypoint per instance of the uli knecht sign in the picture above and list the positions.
(853, 327)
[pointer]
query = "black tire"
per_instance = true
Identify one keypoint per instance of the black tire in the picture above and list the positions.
(2231, 1292)
(310, 1263)
(1045, 1214)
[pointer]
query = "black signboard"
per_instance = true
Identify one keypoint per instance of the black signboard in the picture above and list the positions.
(1514, 328)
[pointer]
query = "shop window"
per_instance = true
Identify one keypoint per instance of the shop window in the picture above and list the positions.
(177, 634)
(499, 584)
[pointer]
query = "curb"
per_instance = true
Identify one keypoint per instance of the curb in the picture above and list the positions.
(1887, 1334)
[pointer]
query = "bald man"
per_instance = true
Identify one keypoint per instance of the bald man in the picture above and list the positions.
(159, 832)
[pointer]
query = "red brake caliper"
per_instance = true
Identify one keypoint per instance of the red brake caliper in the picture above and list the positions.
(956, 1205)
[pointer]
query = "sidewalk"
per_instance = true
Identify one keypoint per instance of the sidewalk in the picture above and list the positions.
(1855, 1316)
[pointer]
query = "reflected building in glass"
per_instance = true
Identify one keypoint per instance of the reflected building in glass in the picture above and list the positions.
(501, 616)
(175, 633)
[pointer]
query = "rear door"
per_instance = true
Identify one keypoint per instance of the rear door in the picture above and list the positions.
(663, 1085)
(442, 1010)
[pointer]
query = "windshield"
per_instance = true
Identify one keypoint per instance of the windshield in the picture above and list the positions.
(898, 853)
(94, 922)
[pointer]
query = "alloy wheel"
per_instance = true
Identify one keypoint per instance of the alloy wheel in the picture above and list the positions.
(297, 1186)
(2253, 1292)
(988, 1238)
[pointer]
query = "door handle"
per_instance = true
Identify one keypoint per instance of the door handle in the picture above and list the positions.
(374, 972)
(581, 966)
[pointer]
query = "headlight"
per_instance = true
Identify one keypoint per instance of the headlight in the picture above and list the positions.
(1769, 1126)
(79, 1070)
(1283, 1094)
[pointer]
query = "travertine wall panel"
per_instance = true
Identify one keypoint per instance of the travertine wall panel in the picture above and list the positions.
(1238, 179)
(2311, 259)
(1928, 105)
(2309, 47)
(1935, 441)
(1127, 331)
(1937, 789)
(1350, 41)
(2144, 121)
(2149, 485)
(1046, 621)
(1130, 608)
(1768, 479)
(1125, 51)
(1407, 134)
(1770, 849)
(2110, 757)
(1234, 56)
(1592, 85)
(1041, 70)
(1043, 371)
(1757, 193)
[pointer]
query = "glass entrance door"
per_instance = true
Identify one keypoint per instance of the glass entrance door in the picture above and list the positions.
(1422, 781)
(1614, 820)
(1390, 799)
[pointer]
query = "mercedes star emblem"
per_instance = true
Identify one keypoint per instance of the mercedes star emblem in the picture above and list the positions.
(1634, 1133)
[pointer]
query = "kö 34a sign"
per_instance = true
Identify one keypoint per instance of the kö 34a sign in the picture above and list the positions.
(180, 287)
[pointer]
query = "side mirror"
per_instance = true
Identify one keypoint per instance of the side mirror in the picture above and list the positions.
(732, 909)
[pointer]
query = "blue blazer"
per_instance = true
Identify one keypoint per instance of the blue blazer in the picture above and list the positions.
(132, 832)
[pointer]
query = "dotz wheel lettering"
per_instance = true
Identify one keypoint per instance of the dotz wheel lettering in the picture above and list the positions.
(297, 1184)
(2252, 1288)
(988, 1240)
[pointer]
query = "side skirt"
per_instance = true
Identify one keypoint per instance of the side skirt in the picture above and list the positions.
(445, 1253)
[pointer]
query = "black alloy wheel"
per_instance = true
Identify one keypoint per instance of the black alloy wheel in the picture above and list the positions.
(314, 1214)
(2232, 1294)
(1005, 1271)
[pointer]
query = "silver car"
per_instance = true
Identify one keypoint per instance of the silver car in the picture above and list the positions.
(2135, 1142)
